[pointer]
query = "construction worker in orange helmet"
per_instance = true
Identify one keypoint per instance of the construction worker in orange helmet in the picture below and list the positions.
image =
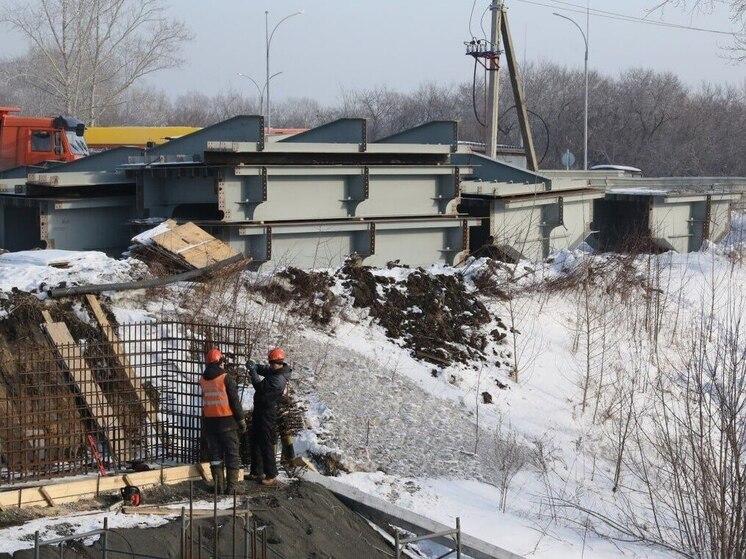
(269, 383)
(222, 419)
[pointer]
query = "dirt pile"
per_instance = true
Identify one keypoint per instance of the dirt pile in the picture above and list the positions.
(308, 293)
(433, 314)
(302, 520)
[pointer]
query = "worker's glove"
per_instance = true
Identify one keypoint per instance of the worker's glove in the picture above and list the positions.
(252, 366)
(242, 426)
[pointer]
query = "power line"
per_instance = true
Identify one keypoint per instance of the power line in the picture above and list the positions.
(626, 17)
(578, 9)
(471, 16)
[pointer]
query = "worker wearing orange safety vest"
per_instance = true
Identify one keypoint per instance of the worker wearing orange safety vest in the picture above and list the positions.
(222, 419)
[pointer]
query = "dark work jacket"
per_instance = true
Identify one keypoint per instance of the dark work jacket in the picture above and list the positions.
(269, 386)
(222, 424)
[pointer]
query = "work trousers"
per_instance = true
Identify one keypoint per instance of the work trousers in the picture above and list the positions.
(223, 447)
(262, 449)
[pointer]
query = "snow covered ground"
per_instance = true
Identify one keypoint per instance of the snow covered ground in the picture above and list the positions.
(519, 469)
(30, 270)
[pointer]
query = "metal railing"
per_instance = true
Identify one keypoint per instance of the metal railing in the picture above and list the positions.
(400, 543)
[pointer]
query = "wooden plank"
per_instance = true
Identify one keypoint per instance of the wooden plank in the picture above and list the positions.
(47, 317)
(205, 472)
(70, 492)
(26, 497)
(47, 496)
(89, 389)
(119, 351)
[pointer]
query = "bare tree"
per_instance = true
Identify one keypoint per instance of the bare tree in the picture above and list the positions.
(84, 54)
(737, 48)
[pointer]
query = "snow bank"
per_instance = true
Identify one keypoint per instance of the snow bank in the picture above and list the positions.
(476, 504)
(28, 270)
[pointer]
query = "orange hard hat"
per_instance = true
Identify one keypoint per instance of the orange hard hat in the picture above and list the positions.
(276, 355)
(214, 355)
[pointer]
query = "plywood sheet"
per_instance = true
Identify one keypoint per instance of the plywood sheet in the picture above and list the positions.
(193, 245)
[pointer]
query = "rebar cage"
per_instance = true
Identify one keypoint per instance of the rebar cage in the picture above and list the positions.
(70, 409)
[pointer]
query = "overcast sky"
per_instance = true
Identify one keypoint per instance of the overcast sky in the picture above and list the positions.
(351, 44)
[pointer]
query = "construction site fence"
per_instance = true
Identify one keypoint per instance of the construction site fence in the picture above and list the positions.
(100, 404)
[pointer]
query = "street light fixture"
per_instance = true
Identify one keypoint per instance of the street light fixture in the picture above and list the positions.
(585, 127)
(259, 90)
(268, 37)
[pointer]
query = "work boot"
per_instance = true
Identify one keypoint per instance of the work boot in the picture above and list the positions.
(218, 478)
(233, 484)
(269, 482)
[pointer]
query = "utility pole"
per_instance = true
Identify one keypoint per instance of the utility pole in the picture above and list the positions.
(493, 92)
(519, 96)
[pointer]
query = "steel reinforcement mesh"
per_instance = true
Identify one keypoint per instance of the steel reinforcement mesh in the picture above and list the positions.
(67, 408)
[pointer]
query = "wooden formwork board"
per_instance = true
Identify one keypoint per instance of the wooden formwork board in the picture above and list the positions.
(9, 420)
(72, 491)
(197, 247)
(111, 336)
(89, 389)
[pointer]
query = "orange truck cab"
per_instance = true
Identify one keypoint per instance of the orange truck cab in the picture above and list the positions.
(33, 140)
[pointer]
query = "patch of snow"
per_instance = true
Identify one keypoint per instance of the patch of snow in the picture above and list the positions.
(477, 505)
(28, 270)
(145, 238)
(16, 538)
(639, 191)
(125, 316)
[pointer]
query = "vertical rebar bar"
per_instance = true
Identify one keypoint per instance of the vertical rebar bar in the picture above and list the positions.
(191, 519)
(36, 545)
(458, 538)
(199, 544)
(233, 544)
(215, 518)
(183, 533)
(246, 536)
(264, 542)
(397, 549)
(105, 539)
(253, 537)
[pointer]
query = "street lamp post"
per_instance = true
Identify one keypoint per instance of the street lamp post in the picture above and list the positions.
(268, 37)
(585, 127)
(259, 90)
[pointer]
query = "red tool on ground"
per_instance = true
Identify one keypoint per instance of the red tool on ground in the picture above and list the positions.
(131, 495)
(97, 455)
